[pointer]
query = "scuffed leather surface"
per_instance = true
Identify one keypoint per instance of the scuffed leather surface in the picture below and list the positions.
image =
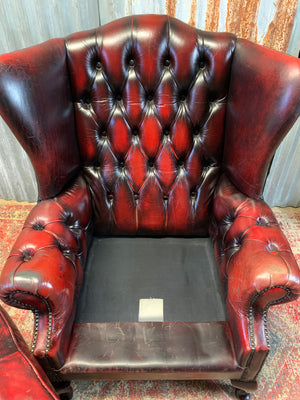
(263, 104)
(150, 96)
(159, 350)
(45, 267)
(21, 377)
(256, 263)
(36, 103)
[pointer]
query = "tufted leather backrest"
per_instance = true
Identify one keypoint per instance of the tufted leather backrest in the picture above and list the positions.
(150, 111)
(150, 99)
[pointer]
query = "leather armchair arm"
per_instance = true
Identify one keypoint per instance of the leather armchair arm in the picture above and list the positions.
(44, 270)
(256, 264)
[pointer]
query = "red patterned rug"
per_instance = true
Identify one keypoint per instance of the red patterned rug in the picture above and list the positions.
(279, 378)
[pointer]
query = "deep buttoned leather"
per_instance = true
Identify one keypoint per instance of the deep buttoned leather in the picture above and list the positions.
(150, 100)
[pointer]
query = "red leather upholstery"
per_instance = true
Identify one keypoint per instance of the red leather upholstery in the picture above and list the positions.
(37, 106)
(45, 267)
(21, 376)
(263, 104)
(175, 127)
(150, 116)
(256, 264)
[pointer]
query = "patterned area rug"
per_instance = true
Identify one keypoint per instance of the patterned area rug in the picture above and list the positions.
(279, 378)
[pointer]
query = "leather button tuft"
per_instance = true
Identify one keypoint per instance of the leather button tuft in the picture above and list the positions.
(182, 97)
(131, 62)
(193, 194)
(167, 62)
(110, 197)
(150, 97)
(135, 132)
(208, 162)
(237, 243)
(228, 220)
(151, 164)
(118, 97)
(180, 163)
(272, 248)
(262, 221)
(104, 134)
(166, 133)
(122, 164)
(196, 131)
(27, 255)
(38, 226)
(201, 64)
(98, 65)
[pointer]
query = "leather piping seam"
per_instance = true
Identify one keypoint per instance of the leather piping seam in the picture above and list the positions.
(266, 309)
(265, 314)
(36, 317)
(250, 313)
(265, 319)
(223, 169)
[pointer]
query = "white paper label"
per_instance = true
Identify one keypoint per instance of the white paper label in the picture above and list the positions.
(151, 310)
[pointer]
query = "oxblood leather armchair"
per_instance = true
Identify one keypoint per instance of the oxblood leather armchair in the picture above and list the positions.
(150, 140)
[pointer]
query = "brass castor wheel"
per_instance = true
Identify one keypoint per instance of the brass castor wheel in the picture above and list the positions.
(241, 394)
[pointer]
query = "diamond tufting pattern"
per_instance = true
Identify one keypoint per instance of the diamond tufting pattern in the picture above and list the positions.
(150, 110)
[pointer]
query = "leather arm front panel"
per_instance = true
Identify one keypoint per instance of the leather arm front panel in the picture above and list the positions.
(256, 263)
(45, 267)
(15, 360)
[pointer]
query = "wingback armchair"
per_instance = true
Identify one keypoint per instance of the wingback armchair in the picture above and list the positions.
(151, 141)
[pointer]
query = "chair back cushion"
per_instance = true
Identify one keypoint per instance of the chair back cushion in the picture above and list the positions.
(150, 99)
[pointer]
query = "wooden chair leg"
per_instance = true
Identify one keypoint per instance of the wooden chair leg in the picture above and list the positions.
(244, 388)
(241, 394)
(63, 389)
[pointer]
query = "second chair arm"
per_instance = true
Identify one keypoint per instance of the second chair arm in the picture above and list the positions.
(256, 264)
(44, 270)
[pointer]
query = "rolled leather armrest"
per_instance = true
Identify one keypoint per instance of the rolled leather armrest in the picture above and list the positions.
(256, 264)
(44, 270)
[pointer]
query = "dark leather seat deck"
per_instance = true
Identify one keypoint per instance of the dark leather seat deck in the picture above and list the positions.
(193, 342)
(121, 270)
